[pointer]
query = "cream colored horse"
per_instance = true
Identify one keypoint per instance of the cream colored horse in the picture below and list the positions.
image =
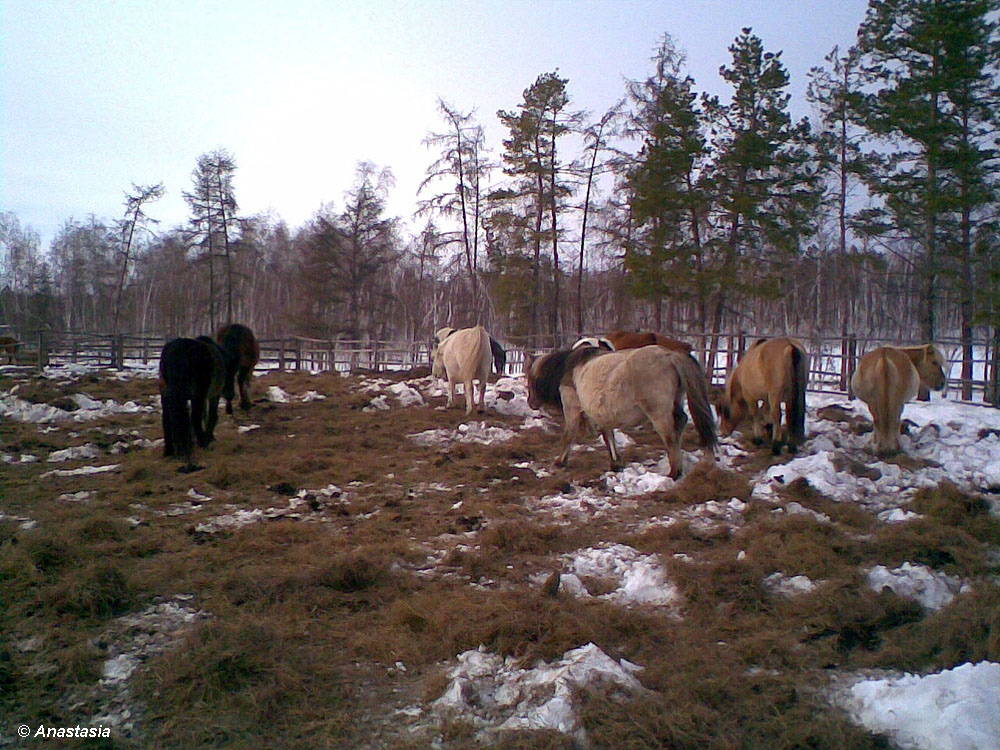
(463, 356)
(886, 378)
(771, 372)
(624, 389)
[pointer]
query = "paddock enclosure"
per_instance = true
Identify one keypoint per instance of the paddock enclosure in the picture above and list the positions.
(354, 566)
(832, 359)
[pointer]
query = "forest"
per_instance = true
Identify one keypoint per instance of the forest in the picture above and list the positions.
(673, 210)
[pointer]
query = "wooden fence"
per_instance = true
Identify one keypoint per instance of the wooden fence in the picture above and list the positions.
(832, 359)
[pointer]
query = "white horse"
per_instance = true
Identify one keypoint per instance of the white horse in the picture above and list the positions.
(463, 356)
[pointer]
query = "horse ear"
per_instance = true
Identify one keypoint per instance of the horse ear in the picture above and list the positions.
(529, 359)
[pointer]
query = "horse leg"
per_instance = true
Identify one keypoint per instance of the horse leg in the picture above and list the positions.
(482, 393)
(778, 433)
(245, 402)
(609, 441)
(470, 395)
(198, 404)
(168, 429)
(572, 416)
(211, 418)
(451, 391)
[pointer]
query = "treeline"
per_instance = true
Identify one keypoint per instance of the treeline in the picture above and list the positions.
(672, 210)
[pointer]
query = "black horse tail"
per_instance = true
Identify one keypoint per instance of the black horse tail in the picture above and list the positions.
(799, 365)
(693, 379)
(499, 357)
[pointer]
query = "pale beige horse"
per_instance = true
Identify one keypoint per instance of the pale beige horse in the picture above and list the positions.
(886, 378)
(771, 372)
(463, 356)
(628, 388)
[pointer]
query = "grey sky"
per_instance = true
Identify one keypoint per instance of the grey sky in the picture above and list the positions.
(96, 94)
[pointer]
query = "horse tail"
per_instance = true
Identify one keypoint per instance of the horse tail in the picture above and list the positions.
(693, 379)
(499, 357)
(799, 378)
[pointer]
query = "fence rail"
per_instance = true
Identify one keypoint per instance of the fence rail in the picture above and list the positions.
(832, 358)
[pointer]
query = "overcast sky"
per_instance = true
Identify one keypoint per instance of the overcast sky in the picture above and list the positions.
(96, 95)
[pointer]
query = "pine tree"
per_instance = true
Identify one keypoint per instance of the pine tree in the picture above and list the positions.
(531, 157)
(665, 255)
(764, 177)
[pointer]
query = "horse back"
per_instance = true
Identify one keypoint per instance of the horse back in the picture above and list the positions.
(467, 354)
(239, 345)
(885, 376)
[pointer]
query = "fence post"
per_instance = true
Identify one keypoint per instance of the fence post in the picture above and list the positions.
(298, 354)
(281, 355)
(852, 357)
(118, 352)
(43, 349)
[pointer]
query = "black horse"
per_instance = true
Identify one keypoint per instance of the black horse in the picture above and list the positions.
(242, 352)
(499, 357)
(191, 370)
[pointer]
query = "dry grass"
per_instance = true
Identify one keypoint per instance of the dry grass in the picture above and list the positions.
(427, 552)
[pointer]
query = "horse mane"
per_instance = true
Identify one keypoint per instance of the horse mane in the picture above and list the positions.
(546, 375)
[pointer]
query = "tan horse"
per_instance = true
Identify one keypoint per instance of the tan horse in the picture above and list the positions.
(462, 356)
(623, 389)
(634, 339)
(771, 372)
(9, 345)
(886, 378)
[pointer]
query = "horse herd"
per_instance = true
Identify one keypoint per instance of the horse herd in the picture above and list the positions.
(621, 380)
(630, 378)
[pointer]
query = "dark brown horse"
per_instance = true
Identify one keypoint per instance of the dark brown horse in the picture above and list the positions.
(242, 353)
(9, 345)
(634, 339)
(192, 371)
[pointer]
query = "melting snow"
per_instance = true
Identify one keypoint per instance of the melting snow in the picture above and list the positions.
(278, 396)
(82, 471)
(957, 709)
(469, 432)
(640, 578)
(494, 693)
(948, 437)
(931, 588)
(75, 453)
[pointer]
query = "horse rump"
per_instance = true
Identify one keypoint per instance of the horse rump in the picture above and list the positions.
(192, 374)
(242, 352)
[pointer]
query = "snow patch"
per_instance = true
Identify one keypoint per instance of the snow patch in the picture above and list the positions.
(495, 694)
(957, 709)
(933, 589)
(640, 578)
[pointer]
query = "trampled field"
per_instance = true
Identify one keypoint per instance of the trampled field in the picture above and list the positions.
(355, 566)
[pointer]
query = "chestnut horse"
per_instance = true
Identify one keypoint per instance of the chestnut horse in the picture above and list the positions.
(191, 370)
(622, 389)
(775, 372)
(9, 345)
(242, 353)
(634, 339)
(463, 356)
(886, 378)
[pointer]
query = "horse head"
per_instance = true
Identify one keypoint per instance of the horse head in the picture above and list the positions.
(732, 408)
(930, 365)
